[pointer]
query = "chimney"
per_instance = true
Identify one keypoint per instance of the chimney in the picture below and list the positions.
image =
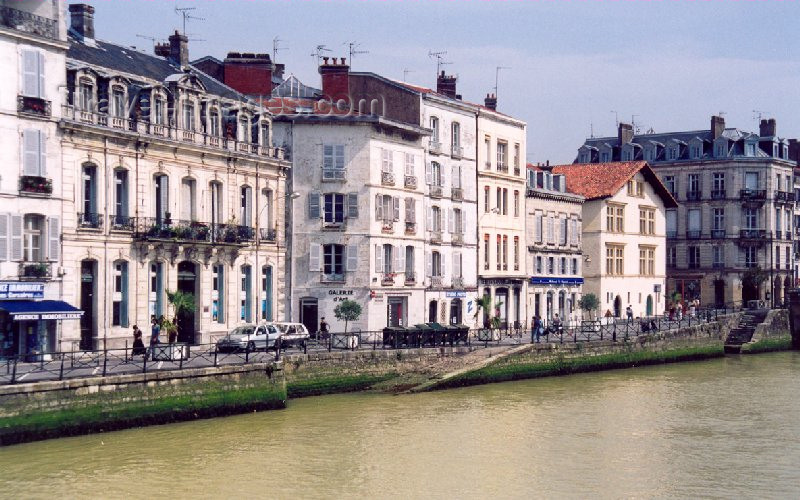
(717, 126)
(179, 49)
(625, 133)
(82, 20)
(250, 74)
(446, 84)
(491, 102)
(278, 71)
(768, 128)
(335, 79)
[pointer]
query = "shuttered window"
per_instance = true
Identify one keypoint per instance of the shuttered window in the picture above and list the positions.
(34, 159)
(4, 237)
(32, 73)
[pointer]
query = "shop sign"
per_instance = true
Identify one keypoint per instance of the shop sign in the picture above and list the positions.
(65, 315)
(541, 280)
(340, 295)
(456, 295)
(500, 281)
(21, 290)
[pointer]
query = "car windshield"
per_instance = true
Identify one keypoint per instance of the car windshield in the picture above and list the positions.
(243, 330)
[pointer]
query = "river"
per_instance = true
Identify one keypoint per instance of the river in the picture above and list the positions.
(726, 428)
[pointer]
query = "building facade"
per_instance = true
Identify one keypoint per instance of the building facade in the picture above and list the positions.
(731, 239)
(624, 234)
(554, 255)
(170, 183)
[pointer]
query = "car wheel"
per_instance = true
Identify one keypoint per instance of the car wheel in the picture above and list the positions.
(251, 346)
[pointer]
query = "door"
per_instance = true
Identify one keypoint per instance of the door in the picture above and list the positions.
(88, 305)
(432, 308)
(618, 307)
(649, 306)
(719, 293)
(395, 314)
(309, 313)
(455, 312)
(187, 283)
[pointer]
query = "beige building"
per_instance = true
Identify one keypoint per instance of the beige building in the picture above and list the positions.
(169, 183)
(554, 256)
(624, 234)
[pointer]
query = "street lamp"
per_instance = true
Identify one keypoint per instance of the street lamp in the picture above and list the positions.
(288, 224)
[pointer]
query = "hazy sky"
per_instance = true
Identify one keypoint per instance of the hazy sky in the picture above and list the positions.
(671, 63)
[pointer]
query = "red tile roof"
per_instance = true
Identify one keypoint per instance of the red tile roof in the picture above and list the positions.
(603, 180)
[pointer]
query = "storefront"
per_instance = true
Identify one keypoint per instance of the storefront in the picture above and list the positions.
(554, 295)
(506, 299)
(29, 325)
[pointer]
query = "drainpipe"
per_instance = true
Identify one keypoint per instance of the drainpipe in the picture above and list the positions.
(105, 245)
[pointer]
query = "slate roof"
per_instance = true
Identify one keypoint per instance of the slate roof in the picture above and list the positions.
(595, 181)
(117, 58)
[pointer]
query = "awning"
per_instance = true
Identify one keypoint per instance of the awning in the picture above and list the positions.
(23, 310)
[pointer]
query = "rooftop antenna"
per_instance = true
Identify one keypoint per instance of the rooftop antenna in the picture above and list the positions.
(591, 130)
(186, 13)
(439, 59)
(758, 114)
(151, 38)
(616, 118)
(317, 54)
(497, 78)
(633, 124)
(276, 48)
(406, 71)
(354, 50)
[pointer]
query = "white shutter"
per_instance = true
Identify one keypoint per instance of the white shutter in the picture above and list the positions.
(378, 258)
(314, 257)
(463, 220)
(30, 77)
(408, 210)
(30, 152)
(327, 157)
(429, 225)
(352, 205)
(16, 237)
(53, 238)
(339, 162)
(457, 265)
(41, 74)
(4, 234)
(397, 250)
(428, 265)
(396, 207)
(352, 258)
(537, 228)
(42, 154)
(378, 207)
(443, 262)
(451, 223)
(428, 174)
(314, 211)
(248, 207)
(164, 194)
(413, 210)
(186, 201)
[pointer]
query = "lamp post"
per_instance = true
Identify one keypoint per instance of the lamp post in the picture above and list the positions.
(494, 211)
(288, 230)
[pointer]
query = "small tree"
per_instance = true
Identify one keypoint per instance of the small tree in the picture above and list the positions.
(347, 311)
(484, 303)
(182, 303)
(589, 303)
(754, 277)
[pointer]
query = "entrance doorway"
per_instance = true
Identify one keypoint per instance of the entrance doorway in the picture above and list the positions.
(396, 311)
(649, 306)
(455, 312)
(719, 293)
(187, 283)
(432, 308)
(88, 304)
(309, 313)
(618, 307)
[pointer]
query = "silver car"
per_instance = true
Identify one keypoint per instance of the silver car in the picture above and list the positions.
(249, 337)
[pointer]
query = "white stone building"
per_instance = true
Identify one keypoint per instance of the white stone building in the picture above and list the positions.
(169, 183)
(624, 234)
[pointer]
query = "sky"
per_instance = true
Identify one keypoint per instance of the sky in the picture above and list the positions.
(574, 67)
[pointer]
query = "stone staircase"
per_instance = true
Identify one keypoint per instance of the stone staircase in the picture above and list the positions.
(743, 332)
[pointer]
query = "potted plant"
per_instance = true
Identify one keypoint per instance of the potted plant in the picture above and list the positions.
(589, 304)
(347, 311)
(182, 303)
(491, 322)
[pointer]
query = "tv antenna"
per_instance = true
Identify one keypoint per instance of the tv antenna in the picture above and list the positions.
(497, 78)
(318, 51)
(439, 59)
(406, 71)
(276, 48)
(591, 130)
(353, 46)
(186, 13)
(616, 118)
(151, 38)
(758, 114)
(633, 124)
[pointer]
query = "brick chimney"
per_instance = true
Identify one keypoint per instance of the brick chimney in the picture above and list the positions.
(491, 102)
(717, 126)
(82, 20)
(250, 74)
(768, 128)
(179, 49)
(446, 84)
(625, 133)
(335, 79)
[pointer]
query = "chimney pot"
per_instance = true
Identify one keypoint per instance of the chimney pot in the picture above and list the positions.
(768, 128)
(446, 85)
(625, 133)
(717, 126)
(325, 60)
(82, 20)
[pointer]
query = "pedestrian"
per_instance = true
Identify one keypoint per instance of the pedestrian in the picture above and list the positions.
(323, 329)
(138, 345)
(679, 311)
(629, 313)
(672, 313)
(556, 324)
(155, 329)
(537, 327)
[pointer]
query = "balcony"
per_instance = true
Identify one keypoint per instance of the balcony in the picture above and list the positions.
(410, 182)
(435, 147)
(502, 167)
(120, 222)
(458, 282)
(90, 220)
(387, 227)
(718, 194)
(753, 194)
(457, 194)
(436, 237)
(693, 234)
(333, 225)
(672, 233)
(387, 279)
(436, 191)
(436, 282)
(33, 106)
(784, 197)
(457, 239)
(694, 265)
(753, 237)
(694, 195)
(28, 23)
(410, 278)
(35, 185)
(267, 235)
(387, 179)
(411, 227)
(717, 233)
(332, 278)
(457, 152)
(153, 229)
(718, 265)
(35, 270)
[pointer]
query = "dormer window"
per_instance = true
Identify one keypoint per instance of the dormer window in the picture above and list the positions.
(188, 115)
(118, 103)
(750, 149)
(775, 150)
(159, 115)
(695, 151)
(605, 157)
(243, 129)
(721, 148)
(672, 153)
(213, 123)
(264, 134)
(583, 157)
(785, 152)
(86, 94)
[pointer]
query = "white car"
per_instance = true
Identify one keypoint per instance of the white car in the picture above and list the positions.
(292, 334)
(250, 337)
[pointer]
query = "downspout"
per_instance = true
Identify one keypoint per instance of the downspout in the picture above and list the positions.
(105, 244)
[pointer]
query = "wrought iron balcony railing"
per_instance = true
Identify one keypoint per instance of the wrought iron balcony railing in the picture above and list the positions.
(120, 223)
(35, 270)
(89, 220)
(152, 228)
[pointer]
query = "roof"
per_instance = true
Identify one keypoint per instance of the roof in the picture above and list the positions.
(603, 180)
(134, 62)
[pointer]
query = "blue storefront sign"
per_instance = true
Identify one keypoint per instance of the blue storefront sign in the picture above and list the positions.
(456, 295)
(21, 290)
(546, 280)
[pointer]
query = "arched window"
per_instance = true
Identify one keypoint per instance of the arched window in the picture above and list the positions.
(89, 217)
(161, 202)
(119, 304)
(121, 219)
(246, 294)
(246, 206)
(266, 293)
(85, 99)
(218, 293)
(188, 115)
(215, 192)
(156, 289)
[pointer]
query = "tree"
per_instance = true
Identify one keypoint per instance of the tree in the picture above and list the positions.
(754, 277)
(347, 311)
(182, 303)
(484, 303)
(589, 302)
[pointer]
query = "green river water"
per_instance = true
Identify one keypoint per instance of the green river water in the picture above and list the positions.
(726, 428)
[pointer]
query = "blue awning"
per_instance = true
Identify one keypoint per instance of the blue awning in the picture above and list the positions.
(23, 310)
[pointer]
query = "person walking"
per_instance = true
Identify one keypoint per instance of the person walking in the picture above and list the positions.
(537, 328)
(138, 345)
(155, 329)
(556, 324)
(323, 329)
(629, 313)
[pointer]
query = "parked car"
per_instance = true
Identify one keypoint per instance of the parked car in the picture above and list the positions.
(292, 334)
(249, 337)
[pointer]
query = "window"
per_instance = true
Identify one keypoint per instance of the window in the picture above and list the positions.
(516, 253)
(33, 73)
(246, 295)
(333, 162)
(410, 165)
(551, 265)
(33, 238)
(266, 293)
(246, 206)
(119, 299)
(436, 219)
(34, 155)
(213, 123)
(563, 266)
(156, 292)
(502, 166)
(615, 218)
(218, 293)
(751, 181)
(499, 252)
(118, 102)
(505, 202)
(486, 200)
(86, 95)
(457, 221)
(672, 153)
(409, 264)
(718, 183)
(694, 187)
(411, 210)
(539, 264)
(243, 129)
(719, 256)
(456, 129)
(486, 256)
(159, 116)
(264, 134)
(334, 208)
(387, 161)
(750, 256)
(488, 146)
(647, 261)
(750, 218)
(499, 200)
(188, 115)
(384, 258)
(188, 203)
(671, 184)
(516, 203)
(778, 224)
(121, 196)
(516, 158)
(696, 151)
(672, 256)
(693, 223)
(89, 191)
(436, 264)
(614, 260)
(604, 157)
(563, 230)
(719, 219)
(693, 257)
(647, 221)
(538, 228)
(333, 261)
(551, 233)
(434, 129)
(161, 189)
(505, 253)
(574, 266)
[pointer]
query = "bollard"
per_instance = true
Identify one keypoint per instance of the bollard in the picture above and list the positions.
(278, 349)
(14, 371)
(305, 347)
(126, 352)
(105, 361)
(247, 353)
(61, 371)
(215, 357)
(144, 364)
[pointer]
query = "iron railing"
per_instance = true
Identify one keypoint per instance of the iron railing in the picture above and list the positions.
(153, 228)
